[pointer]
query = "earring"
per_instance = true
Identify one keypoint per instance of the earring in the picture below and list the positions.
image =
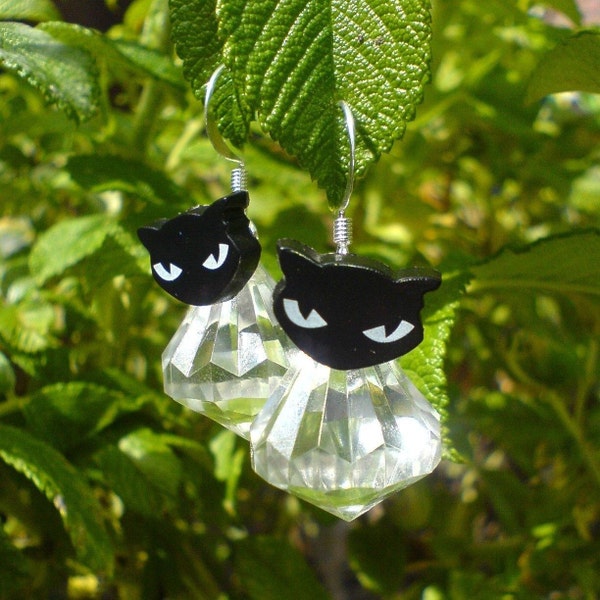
(229, 352)
(346, 428)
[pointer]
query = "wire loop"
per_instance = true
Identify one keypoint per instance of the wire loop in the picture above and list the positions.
(238, 175)
(342, 225)
(349, 118)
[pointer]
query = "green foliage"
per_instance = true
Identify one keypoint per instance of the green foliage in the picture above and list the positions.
(573, 65)
(292, 579)
(112, 490)
(290, 64)
(62, 74)
(426, 364)
(116, 54)
(62, 485)
(567, 264)
(30, 10)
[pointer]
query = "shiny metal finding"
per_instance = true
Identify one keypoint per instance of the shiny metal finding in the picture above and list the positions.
(238, 175)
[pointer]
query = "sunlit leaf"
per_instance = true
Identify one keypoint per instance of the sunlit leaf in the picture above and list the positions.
(195, 32)
(564, 264)
(27, 326)
(93, 237)
(153, 456)
(229, 460)
(116, 53)
(7, 375)
(65, 487)
(291, 62)
(28, 10)
(425, 365)
(64, 75)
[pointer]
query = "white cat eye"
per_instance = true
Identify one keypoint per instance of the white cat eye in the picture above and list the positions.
(213, 263)
(292, 310)
(378, 334)
(167, 275)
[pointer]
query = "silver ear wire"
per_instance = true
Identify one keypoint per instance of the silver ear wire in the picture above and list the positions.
(342, 225)
(238, 175)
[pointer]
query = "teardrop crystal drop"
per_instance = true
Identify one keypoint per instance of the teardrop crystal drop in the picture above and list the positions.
(226, 359)
(345, 440)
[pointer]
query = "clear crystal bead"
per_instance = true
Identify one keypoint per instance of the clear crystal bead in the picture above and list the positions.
(345, 440)
(225, 359)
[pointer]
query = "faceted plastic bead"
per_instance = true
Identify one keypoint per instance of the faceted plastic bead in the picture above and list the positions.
(345, 440)
(226, 359)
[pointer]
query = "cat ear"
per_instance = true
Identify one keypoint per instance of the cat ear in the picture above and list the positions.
(296, 258)
(148, 234)
(229, 208)
(229, 213)
(419, 279)
(236, 201)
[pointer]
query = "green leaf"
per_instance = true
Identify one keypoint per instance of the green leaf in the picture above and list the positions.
(28, 10)
(27, 326)
(425, 364)
(565, 264)
(149, 61)
(64, 486)
(118, 255)
(293, 61)
(116, 53)
(127, 482)
(65, 75)
(229, 462)
(67, 243)
(110, 172)
(8, 378)
(269, 569)
(152, 454)
(195, 32)
(65, 414)
(71, 241)
(573, 65)
(143, 470)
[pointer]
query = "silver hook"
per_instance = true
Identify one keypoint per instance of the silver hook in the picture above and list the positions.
(349, 118)
(342, 225)
(238, 175)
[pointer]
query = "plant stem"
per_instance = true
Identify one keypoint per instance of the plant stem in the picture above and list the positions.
(589, 380)
(190, 131)
(558, 406)
(155, 34)
(574, 429)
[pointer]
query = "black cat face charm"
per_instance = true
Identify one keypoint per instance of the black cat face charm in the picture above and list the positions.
(205, 255)
(349, 312)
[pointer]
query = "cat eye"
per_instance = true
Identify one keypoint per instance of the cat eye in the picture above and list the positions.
(213, 263)
(378, 334)
(292, 310)
(167, 275)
